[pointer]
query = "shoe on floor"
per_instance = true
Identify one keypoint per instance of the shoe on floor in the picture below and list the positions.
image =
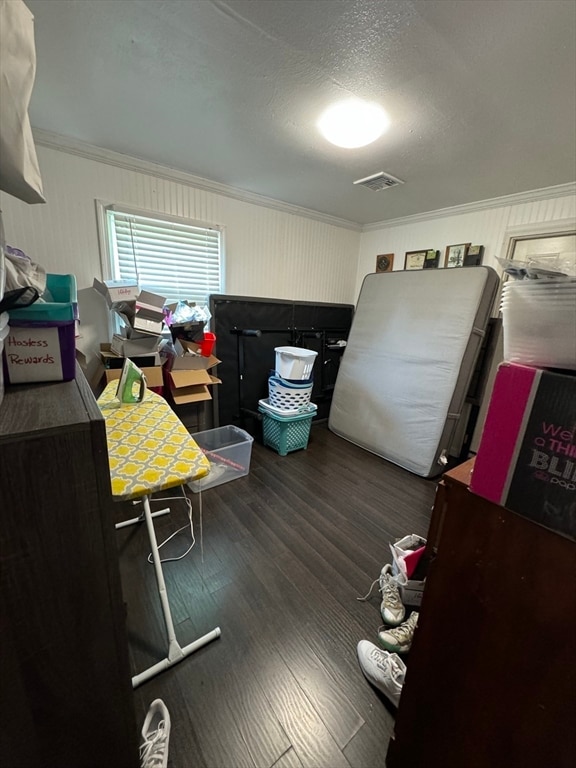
(391, 608)
(386, 671)
(399, 639)
(155, 736)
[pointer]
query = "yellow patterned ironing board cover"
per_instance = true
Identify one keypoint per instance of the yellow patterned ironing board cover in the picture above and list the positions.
(149, 449)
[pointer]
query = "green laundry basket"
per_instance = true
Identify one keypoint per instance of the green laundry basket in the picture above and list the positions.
(286, 433)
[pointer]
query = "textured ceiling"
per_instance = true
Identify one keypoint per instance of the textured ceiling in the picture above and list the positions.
(481, 93)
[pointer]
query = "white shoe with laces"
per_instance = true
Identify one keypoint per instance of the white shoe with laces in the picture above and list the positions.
(386, 671)
(399, 639)
(155, 736)
(391, 607)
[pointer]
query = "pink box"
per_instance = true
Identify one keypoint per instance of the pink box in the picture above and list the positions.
(527, 456)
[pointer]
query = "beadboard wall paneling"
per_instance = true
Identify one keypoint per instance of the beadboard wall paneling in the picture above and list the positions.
(268, 253)
(488, 227)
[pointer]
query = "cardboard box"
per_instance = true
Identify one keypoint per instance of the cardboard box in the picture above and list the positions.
(189, 377)
(141, 345)
(191, 386)
(116, 291)
(149, 315)
(154, 377)
(527, 455)
(112, 360)
(411, 590)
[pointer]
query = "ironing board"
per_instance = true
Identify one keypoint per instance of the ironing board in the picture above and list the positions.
(149, 450)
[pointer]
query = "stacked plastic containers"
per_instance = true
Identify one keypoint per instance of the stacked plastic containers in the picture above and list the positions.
(539, 322)
(41, 340)
(287, 413)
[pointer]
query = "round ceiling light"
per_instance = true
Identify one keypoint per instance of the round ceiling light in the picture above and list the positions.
(353, 123)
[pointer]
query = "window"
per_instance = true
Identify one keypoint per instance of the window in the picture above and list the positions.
(169, 256)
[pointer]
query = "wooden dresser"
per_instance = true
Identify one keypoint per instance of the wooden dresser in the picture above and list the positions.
(491, 675)
(65, 691)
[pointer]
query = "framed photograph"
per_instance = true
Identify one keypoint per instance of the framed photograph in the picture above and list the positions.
(415, 259)
(384, 262)
(455, 255)
(474, 256)
(432, 259)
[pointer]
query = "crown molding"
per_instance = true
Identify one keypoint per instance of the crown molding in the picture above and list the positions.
(129, 163)
(531, 196)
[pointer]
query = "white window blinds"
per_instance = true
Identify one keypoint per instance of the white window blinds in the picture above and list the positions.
(169, 257)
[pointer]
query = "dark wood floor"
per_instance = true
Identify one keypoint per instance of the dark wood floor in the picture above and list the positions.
(286, 551)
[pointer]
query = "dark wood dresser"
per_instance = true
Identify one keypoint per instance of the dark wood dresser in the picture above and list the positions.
(491, 675)
(65, 691)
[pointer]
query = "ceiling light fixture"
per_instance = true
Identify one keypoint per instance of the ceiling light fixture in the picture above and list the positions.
(353, 123)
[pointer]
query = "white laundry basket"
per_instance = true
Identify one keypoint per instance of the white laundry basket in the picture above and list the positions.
(294, 363)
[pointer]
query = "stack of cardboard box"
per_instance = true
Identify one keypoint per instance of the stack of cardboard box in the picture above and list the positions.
(142, 318)
(187, 374)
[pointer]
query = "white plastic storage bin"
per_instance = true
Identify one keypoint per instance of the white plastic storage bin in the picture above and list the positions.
(228, 449)
(294, 363)
(539, 323)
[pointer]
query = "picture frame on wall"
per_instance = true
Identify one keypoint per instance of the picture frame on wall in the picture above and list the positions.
(455, 255)
(385, 262)
(474, 256)
(432, 259)
(415, 259)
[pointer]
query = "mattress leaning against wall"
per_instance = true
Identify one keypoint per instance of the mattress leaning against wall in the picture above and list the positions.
(411, 353)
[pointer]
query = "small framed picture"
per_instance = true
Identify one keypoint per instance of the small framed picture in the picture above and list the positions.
(415, 259)
(474, 256)
(455, 255)
(432, 259)
(384, 262)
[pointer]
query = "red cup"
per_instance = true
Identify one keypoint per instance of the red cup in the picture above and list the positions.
(207, 344)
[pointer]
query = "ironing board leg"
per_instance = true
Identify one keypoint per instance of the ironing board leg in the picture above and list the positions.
(175, 652)
(140, 518)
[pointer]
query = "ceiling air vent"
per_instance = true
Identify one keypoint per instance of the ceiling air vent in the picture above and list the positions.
(379, 181)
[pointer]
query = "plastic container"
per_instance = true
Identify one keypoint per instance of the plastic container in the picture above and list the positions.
(539, 323)
(308, 408)
(228, 449)
(288, 395)
(294, 362)
(285, 433)
(41, 344)
(64, 307)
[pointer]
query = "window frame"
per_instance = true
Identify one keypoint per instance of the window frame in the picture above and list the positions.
(108, 259)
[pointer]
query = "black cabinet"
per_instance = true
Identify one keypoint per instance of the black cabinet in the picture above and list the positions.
(65, 693)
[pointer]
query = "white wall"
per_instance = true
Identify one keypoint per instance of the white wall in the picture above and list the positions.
(489, 224)
(270, 253)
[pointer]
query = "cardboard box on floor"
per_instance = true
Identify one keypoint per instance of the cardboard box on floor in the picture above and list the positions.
(189, 377)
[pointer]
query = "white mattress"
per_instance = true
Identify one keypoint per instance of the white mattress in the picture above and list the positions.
(410, 356)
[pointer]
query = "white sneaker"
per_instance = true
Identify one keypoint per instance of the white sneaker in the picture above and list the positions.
(392, 610)
(386, 671)
(399, 639)
(155, 736)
